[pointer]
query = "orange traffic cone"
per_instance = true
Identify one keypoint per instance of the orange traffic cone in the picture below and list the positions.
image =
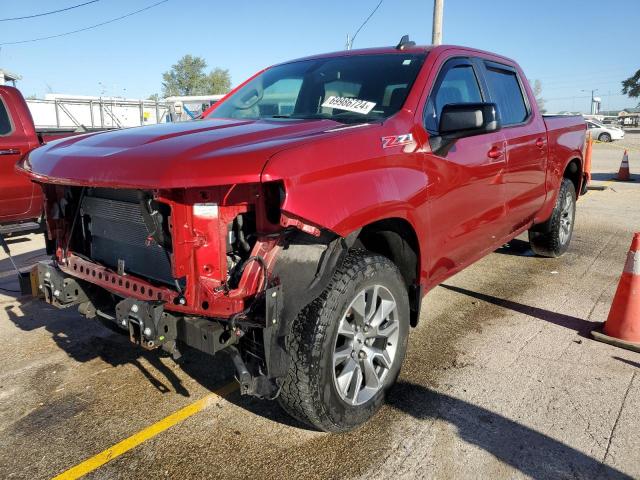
(623, 173)
(622, 327)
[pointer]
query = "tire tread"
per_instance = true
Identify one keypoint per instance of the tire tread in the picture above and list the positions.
(298, 395)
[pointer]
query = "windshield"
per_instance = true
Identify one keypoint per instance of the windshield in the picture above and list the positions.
(348, 89)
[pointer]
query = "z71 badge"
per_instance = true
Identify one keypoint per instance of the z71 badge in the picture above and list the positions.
(397, 140)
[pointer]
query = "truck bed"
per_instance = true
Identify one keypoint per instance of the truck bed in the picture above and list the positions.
(565, 139)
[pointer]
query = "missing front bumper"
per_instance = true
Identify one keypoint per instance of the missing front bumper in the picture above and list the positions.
(147, 322)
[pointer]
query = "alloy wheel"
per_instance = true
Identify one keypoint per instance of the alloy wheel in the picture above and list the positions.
(566, 218)
(366, 345)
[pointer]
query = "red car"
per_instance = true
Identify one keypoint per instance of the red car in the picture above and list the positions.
(299, 223)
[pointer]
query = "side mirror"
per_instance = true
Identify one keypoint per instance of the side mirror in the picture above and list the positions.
(467, 119)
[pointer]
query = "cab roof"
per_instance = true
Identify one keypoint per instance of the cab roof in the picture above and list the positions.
(393, 50)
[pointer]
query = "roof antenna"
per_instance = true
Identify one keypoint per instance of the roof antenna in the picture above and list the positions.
(405, 43)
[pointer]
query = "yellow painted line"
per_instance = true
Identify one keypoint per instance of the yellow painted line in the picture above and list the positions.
(613, 145)
(142, 436)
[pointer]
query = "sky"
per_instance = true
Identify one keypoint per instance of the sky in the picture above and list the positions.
(572, 46)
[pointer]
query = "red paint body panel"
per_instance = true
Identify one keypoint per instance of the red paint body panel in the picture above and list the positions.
(461, 204)
(20, 199)
(175, 155)
(565, 140)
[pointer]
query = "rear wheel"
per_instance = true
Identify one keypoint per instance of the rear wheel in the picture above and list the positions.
(604, 137)
(346, 347)
(552, 238)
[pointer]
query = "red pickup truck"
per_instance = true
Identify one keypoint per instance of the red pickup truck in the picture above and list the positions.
(298, 224)
(21, 205)
(20, 199)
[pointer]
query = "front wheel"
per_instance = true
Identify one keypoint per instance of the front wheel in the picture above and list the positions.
(604, 137)
(552, 238)
(346, 347)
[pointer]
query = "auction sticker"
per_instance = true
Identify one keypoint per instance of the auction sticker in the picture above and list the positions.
(349, 104)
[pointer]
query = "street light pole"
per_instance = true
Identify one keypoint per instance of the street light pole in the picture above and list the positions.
(436, 32)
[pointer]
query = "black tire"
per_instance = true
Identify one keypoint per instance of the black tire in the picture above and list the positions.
(604, 137)
(551, 239)
(309, 392)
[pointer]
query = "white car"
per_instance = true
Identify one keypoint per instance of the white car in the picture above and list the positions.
(604, 133)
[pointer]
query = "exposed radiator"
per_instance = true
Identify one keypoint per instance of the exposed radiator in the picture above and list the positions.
(118, 232)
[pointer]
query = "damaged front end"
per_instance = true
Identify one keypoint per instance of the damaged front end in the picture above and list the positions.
(218, 268)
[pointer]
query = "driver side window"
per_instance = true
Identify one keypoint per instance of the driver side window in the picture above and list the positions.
(457, 84)
(280, 97)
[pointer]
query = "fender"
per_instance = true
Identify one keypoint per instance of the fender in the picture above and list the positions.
(366, 182)
(566, 144)
(303, 268)
(553, 186)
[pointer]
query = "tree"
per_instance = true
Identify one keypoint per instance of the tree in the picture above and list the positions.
(631, 86)
(188, 77)
(154, 97)
(537, 93)
(219, 81)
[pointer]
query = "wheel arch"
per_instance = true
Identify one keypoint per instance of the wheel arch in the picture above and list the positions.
(396, 239)
(607, 134)
(573, 171)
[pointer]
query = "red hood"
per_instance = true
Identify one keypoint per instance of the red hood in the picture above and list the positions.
(174, 155)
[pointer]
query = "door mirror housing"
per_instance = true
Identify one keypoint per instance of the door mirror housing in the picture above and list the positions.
(460, 120)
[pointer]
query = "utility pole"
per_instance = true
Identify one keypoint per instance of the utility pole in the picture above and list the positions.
(436, 33)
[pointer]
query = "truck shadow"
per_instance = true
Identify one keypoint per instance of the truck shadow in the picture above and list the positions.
(84, 340)
(516, 247)
(8, 279)
(579, 325)
(534, 454)
(612, 176)
(628, 362)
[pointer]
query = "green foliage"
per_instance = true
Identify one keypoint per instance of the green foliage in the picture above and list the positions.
(188, 77)
(154, 97)
(631, 86)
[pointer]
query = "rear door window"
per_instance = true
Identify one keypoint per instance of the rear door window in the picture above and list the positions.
(5, 122)
(457, 84)
(507, 93)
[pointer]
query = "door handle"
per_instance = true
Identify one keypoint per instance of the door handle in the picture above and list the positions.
(9, 151)
(495, 152)
(539, 142)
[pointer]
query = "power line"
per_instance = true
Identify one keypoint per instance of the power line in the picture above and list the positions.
(86, 28)
(48, 13)
(364, 23)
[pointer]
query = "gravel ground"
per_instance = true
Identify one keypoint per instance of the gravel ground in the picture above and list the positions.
(501, 380)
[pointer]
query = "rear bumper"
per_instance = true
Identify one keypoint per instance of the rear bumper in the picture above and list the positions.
(617, 135)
